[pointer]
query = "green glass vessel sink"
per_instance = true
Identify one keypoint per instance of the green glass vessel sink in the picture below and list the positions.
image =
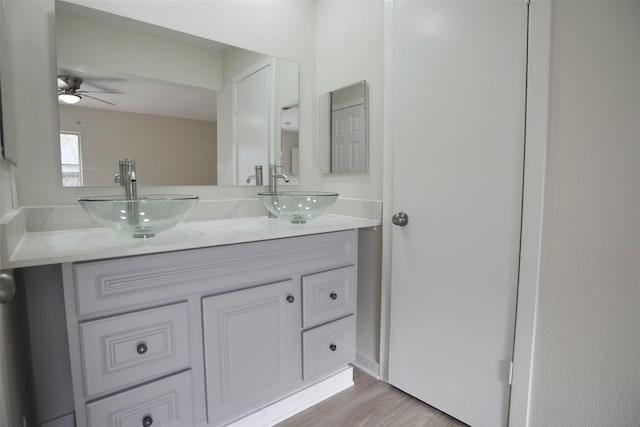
(141, 217)
(298, 206)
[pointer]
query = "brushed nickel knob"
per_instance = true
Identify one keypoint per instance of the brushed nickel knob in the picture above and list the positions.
(400, 219)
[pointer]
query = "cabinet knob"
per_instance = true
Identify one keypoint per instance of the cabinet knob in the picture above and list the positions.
(142, 349)
(333, 296)
(290, 299)
(333, 347)
(147, 421)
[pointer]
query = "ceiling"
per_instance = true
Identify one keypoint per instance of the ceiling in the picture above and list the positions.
(146, 96)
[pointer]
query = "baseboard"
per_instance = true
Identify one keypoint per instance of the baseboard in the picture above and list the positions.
(367, 365)
(298, 402)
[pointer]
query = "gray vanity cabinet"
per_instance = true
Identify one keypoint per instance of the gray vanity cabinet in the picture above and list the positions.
(250, 347)
(204, 337)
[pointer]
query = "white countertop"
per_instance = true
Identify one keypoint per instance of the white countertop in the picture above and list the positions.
(53, 247)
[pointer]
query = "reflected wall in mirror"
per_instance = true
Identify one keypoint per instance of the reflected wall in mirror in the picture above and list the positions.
(290, 141)
(2, 154)
(162, 97)
(8, 149)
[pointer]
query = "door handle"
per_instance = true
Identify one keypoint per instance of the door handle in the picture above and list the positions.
(400, 219)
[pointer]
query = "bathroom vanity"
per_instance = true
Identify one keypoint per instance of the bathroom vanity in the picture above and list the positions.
(242, 333)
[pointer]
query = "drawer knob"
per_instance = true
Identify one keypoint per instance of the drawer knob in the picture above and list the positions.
(333, 296)
(290, 299)
(142, 349)
(333, 347)
(147, 421)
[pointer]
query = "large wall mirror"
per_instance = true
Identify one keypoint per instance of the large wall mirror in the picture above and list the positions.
(184, 107)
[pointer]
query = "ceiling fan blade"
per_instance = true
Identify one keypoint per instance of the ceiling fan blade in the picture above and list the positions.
(98, 99)
(99, 91)
(62, 84)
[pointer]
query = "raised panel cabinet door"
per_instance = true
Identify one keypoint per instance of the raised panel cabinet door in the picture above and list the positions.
(251, 354)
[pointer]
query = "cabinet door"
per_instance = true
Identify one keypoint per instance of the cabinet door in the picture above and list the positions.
(250, 348)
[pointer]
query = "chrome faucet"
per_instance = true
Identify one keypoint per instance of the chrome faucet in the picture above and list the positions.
(273, 181)
(257, 176)
(126, 177)
(274, 176)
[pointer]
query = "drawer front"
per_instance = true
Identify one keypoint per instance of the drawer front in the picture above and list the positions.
(166, 402)
(124, 350)
(328, 295)
(103, 286)
(328, 348)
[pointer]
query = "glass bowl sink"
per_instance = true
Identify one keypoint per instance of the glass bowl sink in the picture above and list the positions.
(298, 206)
(141, 217)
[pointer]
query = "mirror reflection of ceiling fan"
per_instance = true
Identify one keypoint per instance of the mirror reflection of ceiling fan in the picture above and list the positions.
(69, 90)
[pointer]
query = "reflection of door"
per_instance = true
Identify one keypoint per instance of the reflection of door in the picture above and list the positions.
(253, 118)
(458, 156)
(348, 139)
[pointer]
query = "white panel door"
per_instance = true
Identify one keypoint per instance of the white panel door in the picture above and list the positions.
(348, 142)
(253, 124)
(459, 97)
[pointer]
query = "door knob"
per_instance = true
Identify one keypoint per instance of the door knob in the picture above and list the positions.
(400, 219)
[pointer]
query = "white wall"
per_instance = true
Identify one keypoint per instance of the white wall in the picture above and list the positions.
(350, 36)
(350, 39)
(587, 342)
(158, 143)
(290, 27)
(116, 47)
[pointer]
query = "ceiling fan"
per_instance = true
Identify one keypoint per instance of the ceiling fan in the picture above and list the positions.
(69, 90)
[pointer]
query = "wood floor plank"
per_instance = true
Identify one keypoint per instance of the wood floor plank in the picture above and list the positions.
(371, 403)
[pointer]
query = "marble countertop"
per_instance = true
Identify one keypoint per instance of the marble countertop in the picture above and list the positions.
(53, 247)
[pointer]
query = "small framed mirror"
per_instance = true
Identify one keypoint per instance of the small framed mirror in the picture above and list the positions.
(346, 132)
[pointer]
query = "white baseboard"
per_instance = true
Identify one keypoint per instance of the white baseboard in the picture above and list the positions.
(367, 365)
(298, 402)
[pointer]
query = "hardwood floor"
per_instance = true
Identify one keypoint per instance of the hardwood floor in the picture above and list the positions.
(371, 403)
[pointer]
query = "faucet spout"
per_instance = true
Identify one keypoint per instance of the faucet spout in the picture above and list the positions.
(127, 178)
(273, 181)
(257, 177)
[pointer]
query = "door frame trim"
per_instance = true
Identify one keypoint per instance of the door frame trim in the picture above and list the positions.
(537, 106)
(537, 111)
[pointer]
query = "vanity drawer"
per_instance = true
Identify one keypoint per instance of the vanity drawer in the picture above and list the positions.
(328, 348)
(131, 348)
(328, 295)
(166, 402)
(110, 285)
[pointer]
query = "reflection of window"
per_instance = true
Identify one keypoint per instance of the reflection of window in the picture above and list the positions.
(70, 159)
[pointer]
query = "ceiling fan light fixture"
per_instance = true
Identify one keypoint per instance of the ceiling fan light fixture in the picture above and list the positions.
(69, 98)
